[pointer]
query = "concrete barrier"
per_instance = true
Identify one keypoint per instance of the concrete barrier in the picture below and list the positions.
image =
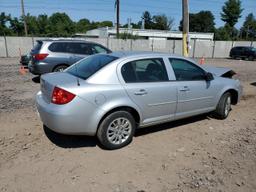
(13, 46)
(3, 51)
(222, 49)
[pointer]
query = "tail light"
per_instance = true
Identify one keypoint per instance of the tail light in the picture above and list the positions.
(40, 56)
(61, 96)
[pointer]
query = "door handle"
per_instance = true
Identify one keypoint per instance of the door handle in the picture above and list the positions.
(141, 92)
(184, 89)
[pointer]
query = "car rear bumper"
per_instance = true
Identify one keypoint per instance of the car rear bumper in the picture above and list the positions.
(39, 68)
(78, 117)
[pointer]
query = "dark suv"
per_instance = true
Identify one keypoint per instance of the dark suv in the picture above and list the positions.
(243, 53)
(56, 55)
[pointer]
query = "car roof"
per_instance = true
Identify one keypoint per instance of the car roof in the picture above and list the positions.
(243, 47)
(128, 54)
(146, 54)
(65, 40)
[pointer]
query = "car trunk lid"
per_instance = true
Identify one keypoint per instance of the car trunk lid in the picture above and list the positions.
(60, 79)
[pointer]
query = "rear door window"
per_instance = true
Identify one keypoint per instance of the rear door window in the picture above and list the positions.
(79, 48)
(59, 47)
(144, 70)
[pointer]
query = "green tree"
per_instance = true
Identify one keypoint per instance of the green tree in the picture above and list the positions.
(231, 12)
(148, 23)
(32, 25)
(61, 25)
(82, 25)
(134, 25)
(17, 26)
(248, 30)
(222, 34)
(4, 19)
(161, 22)
(202, 21)
(43, 25)
(105, 24)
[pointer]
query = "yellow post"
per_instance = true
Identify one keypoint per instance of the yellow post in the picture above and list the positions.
(185, 32)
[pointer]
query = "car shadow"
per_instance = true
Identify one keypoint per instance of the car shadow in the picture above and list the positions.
(170, 125)
(69, 141)
(74, 141)
(36, 79)
(253, 83)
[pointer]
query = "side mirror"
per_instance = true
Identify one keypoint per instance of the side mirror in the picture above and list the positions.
(208, 76)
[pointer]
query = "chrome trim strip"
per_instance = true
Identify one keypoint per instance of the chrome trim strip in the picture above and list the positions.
(200, 98)
(164, 103)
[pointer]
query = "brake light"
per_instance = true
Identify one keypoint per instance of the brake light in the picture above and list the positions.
(40, 56)
(61, 96)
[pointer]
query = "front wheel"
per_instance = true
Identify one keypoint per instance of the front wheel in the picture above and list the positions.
(224, 106)
(116, 130)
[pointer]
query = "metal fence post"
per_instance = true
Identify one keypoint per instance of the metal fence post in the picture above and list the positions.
(152, 44)
(173, 47)
(33, 42)
(6, 48)
(194, 48)
(213, 49)
(108, 42)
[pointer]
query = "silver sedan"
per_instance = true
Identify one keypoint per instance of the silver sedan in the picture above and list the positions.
(111, 95)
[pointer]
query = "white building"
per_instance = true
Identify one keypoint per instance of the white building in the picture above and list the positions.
(145, 34)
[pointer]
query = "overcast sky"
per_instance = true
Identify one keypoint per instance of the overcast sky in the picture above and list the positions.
(99, 10)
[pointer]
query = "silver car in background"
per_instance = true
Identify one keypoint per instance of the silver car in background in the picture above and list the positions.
(52, 55)
(111, 95)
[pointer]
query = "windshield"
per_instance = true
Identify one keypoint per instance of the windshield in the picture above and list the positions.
(90, 65)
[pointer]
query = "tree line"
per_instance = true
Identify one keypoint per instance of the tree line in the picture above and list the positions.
(60, 24)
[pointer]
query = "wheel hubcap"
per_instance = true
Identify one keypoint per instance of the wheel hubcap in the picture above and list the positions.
(228, 106)
(60, 70)
(119, 130)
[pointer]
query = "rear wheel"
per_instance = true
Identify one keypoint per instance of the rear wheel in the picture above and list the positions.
(116, 130)
(60, 68)
(223, 107)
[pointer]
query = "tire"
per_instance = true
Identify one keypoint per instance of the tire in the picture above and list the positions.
(224, 107)
(250, 58)
(60, 68)
(116, 130)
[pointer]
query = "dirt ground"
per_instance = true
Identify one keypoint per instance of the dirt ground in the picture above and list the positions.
(195, 154)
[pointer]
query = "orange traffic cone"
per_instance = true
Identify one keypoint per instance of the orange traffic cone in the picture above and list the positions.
(23, 70)
(202, 61)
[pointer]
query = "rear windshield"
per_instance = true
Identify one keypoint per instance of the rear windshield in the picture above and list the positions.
(90, 65)
(38, 46)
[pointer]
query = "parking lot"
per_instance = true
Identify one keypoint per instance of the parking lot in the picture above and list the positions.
(195, 154)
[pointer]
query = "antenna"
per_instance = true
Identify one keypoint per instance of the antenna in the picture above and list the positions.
(77, 78)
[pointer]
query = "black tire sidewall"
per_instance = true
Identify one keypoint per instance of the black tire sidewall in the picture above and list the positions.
(220, 110)
(102, 130)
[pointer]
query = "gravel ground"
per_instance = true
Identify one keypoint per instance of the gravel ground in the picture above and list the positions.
(196, 154)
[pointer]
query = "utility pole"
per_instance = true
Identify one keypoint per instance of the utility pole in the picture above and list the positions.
(185, 19)
(117, 17)
(24, 18)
